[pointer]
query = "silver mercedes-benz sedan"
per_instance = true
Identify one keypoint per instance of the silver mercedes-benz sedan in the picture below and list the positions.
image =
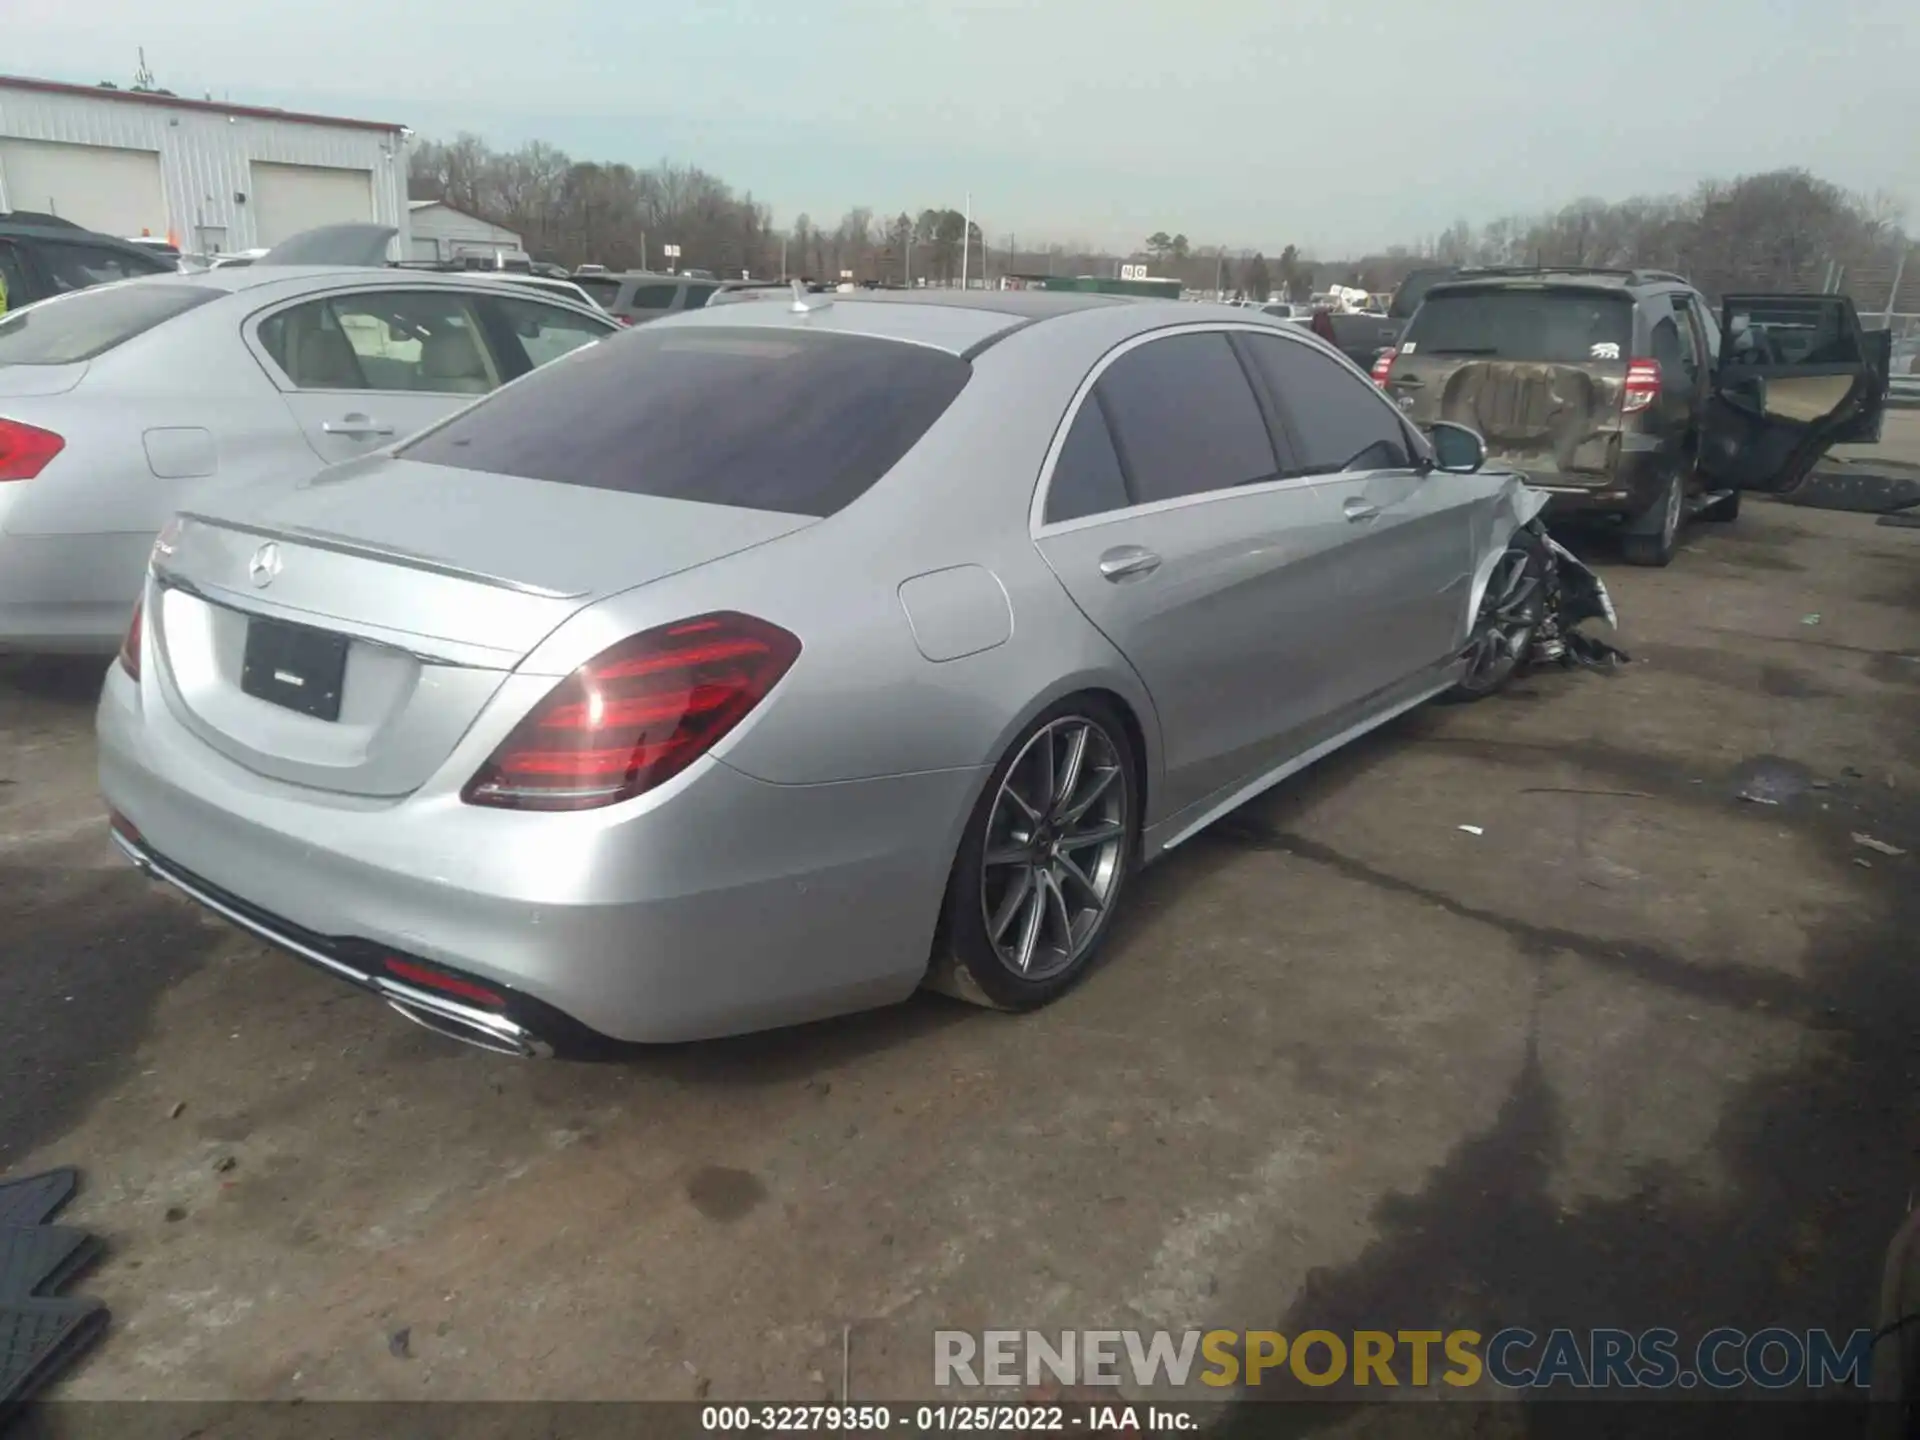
(767, 663)
(123, 403)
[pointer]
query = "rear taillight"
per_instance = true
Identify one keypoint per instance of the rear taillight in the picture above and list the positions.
(26, 449)
(130, 647)
(1383, 367)
(636, 715)
(1642, 387)
(624, 319)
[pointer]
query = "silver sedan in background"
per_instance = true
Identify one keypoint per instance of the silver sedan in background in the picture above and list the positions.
(122, 403)
(771, 661)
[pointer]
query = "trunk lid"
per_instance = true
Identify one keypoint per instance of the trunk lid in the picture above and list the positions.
(23, 382)
(417, 587)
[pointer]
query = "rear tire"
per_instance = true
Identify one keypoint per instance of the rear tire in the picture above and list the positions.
(1041, 883)
(1654, 534)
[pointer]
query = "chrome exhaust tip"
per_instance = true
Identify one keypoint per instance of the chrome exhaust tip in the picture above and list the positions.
(495, 1034)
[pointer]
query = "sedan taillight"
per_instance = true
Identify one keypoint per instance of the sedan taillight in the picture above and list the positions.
(636, 715)
(1383, 367)
(26, 449)
(130, 646)
(1642, 387)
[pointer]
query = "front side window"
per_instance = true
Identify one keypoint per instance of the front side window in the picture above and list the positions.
(545, 332)
(392, 340)
(1184, 418)
(1336, 419)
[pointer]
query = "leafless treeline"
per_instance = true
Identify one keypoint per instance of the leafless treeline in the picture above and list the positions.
(1785, 229)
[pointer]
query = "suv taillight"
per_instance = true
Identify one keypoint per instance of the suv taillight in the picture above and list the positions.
(130, 646)
(1383, 367)
(636, 715)
(1642, 387)
(26, 449)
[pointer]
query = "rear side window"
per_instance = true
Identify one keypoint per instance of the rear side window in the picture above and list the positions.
(698, 295)
(802, 424)
(1087, 479)
(1184, 418)
(88, 323)
(602, 289)
(652, 297)
(1564, 327)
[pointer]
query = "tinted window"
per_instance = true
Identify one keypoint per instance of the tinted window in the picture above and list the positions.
(545, 332)
(800, 423)
(13, 277)
(1709, 324)
(1184, 418)
(1413, 290)
(1666, 343)
(76, 267)
(91, 322)
(1793, 332)
(396, 340)
(1567, 327)
(602, 289)
(1087, 479)
(1337, 420)
(652, 297)
(698, 295)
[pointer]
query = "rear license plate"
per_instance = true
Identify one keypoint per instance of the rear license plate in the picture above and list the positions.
(294, 666)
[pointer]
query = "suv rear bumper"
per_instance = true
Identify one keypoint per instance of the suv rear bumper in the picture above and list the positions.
(1633, 485)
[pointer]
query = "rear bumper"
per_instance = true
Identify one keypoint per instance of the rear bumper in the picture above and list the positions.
(1630, 487)
(726, 905)
(69, 594)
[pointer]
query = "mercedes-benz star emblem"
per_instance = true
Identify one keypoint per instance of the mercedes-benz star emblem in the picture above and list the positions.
(264, 565)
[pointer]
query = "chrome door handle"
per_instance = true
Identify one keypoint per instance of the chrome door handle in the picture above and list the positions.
(1360, 509)
(1128, 560)
(356, 427)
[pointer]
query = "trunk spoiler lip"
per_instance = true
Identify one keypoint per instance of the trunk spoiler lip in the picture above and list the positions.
(373, 550)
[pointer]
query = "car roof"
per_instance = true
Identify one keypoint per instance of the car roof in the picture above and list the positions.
(35, 227)
(1560, 277)
(960, 322)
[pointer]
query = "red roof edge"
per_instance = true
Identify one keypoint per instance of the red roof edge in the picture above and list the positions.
(180, 102)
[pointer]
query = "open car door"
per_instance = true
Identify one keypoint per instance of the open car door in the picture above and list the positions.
(1797, 374)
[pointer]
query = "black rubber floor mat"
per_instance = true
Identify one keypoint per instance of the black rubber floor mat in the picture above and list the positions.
(39, 1339)
(40, 1333)
(41, 1259)
(36, 1199)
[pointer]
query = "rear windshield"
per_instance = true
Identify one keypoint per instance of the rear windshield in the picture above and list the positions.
(599, 287)
(90, 322)
(1567, 327)
(1413, 290)
(763, 419)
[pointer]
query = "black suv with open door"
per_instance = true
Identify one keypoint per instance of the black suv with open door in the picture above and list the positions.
(1627, 396)
(43, 255)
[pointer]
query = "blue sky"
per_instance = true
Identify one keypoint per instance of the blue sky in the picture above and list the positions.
(1335, 126)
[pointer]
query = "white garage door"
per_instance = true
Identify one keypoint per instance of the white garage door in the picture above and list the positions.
(288, 199)
(115, 191)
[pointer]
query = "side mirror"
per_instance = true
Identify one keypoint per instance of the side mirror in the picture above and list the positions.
(1456, 449)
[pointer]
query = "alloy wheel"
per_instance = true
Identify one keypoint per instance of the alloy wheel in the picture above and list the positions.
(1055, 848)
(1509, 611)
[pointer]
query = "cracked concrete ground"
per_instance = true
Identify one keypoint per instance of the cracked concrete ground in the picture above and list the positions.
(1638, 1053)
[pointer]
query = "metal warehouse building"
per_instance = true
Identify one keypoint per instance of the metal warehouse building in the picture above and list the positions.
(211, 177)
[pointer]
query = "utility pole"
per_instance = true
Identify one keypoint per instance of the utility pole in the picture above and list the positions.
(966, 239)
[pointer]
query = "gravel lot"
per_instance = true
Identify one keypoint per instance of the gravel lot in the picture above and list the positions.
(1639, 1053)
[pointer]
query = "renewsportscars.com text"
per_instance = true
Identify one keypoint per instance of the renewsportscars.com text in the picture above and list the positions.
(1513, 1358)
